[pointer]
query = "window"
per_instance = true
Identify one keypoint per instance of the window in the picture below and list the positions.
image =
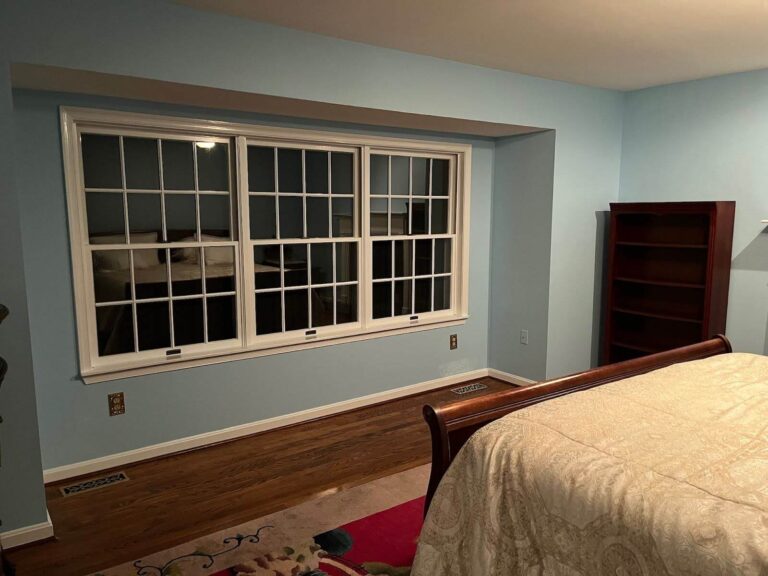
(196, 241)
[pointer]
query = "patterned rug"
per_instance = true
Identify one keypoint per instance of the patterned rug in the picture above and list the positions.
(371, 529)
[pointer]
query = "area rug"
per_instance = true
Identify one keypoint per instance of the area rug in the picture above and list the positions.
(370, 529)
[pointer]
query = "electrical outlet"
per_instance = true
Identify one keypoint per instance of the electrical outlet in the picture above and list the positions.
(116, 404)
(454, 341)
(524, 337)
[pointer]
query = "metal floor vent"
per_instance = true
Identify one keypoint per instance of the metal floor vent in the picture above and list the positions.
(467, 388)
(93, 484)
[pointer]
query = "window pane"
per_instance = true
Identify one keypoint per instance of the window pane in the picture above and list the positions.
(145, 213)
(343, 219)
(442, 255)
(296, 309)
(399, 216)
(440, 177)
(113, 261)
(106, 215)
(180, 217)
(400, 175)
(115, 329)
(150, 276)
(261, 169)
(262, 216)
(188, 322)
(317, 217)
(289, 170)
(382, 259)
(379, 174)
(101, 161)
(222, 318)
(111, 275)
(178, 165)
(342, 173)
(419, 217)
(442, 293)
(291, 217)
(142, 169)
(268, 313)
(154, 325)
(214, 217)
(322, 263)
(382, 299)
(379, 217)
(346, 304)
(403, 258)
(403, 300)
(423, 295)
(322, 306)
(439, 216)
(266, 264)
(295, 262)
(316, 167)
(423, 257)
(219, 269)
(346, 261)
(420, 176)
(213, 167)
(186, 275)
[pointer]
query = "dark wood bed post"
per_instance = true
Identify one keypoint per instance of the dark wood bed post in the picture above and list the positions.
(452, 424)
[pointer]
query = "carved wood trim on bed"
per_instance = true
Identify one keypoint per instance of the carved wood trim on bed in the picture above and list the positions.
(452, 424)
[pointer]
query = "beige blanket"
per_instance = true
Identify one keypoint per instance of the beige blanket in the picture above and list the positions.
(661, 474)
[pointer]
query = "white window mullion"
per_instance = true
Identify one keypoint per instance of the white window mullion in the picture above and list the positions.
(247, 317)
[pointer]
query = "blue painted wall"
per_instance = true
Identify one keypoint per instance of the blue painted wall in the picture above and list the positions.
(708, 140)
(165, 41)
(22, 500)
(74, 424)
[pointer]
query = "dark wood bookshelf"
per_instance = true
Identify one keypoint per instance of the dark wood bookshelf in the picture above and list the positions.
(669, 266)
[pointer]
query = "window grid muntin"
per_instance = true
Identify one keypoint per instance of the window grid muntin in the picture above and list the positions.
(330, 239)
(129, 246)
(451, 232)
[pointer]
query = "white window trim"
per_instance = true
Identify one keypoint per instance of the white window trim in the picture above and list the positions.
(92, 370)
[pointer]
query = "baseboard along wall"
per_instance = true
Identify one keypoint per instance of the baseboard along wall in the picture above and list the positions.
(27, 534)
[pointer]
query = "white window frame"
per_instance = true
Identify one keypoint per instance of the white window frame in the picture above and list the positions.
(98, 369)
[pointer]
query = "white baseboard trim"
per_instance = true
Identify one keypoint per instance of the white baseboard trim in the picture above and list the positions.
(200, 440)
(27, 534)
(511, 378)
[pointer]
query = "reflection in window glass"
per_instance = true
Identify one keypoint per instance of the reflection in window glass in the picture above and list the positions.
(400, 174)
(403, 258)
(111, 275)
(379, 217)
(322, 306)
(222, 318)
(440, 177)
(261, 169)
(423, 295)
(382, 259)
(212, 167)
(379, 174)
(296, 309)
(423, 257)
(342, 173)
(101, 161)
(442, 293)
(145, 213)
(214, 216)
(178, 165)
(346, 304)
(322, 263)
(346, 262)
(439, 216)
(317, 217)
(142, 168)
(343, 218)
(180, 217)
(154, 325)
(186, 273)
(382, 299)
(316, 171)
(106, 216)
(403, 298)
(263, 217)
(289, 170)
(115, 329)
(399, 217)
(188, 327)
(291, 217)
(266, 264)
(268, 313)
(419, 210)
(295, 263)
(420, 176)
(442, 255)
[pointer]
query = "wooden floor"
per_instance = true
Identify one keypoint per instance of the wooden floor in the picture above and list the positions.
(178, 498)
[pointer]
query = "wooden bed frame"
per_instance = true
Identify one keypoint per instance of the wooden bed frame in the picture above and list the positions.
(452, 424)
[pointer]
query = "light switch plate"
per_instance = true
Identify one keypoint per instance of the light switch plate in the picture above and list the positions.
(116, 404)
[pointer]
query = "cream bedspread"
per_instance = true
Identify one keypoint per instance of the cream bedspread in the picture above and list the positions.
(660, 474)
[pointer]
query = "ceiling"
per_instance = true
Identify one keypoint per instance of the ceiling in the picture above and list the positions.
(620, 44)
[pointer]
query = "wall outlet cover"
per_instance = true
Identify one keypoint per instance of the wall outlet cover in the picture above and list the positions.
(116, 404)
(454, 341)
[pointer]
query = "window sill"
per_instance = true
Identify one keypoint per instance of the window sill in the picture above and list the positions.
(117, 372)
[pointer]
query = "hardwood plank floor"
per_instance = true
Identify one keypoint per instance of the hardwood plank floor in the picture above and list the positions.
(175, 499)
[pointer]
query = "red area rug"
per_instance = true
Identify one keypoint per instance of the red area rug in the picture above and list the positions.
(379, 544)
